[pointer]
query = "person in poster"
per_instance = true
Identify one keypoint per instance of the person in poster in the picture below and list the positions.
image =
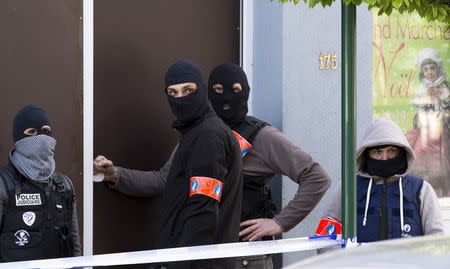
(429, 137)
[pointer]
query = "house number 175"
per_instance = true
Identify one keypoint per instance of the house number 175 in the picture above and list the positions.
(327, 61)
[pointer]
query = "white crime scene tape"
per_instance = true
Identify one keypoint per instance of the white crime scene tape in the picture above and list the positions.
(179, 254)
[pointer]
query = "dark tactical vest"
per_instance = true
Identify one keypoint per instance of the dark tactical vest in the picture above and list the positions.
(383, 215)
(256, 197)
(36, 218)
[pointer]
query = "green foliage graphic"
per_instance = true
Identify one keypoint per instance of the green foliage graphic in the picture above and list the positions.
(432, 10)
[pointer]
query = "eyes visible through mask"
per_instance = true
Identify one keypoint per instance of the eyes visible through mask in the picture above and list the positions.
(386, 153)
(182, 89)
(46, 129)
(218, 88)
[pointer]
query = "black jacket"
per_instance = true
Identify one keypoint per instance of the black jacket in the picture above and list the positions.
(207, 148)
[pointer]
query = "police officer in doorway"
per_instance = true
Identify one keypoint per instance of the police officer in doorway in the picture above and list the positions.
(201, 184)
(37, 204)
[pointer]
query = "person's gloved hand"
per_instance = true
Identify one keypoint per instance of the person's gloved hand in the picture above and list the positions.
(105, 166)
(258, 228)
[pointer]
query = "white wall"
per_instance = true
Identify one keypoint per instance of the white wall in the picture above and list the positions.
(310, 98)
(267, 84)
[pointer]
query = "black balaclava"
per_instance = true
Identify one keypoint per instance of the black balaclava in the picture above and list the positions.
(386, 168)
(29, 117)
(192, 107)
(227, 75)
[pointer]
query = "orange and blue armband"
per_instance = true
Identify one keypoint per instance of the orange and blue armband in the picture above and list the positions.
(207, 186)
(243, 144)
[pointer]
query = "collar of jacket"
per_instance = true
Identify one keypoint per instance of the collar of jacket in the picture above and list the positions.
(379, 180)
(188, 126)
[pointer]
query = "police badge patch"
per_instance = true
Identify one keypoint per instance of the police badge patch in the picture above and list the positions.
(27, 199)
(23, 237)
(29, 218)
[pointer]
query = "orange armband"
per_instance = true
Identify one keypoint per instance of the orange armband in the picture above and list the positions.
(244, 146)
(207, 186)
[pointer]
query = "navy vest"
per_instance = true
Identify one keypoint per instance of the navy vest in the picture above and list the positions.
(36, 218)
(383, 216)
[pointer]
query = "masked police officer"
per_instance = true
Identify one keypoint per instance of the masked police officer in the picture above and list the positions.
(265, 152)
(37, 204)
(202, 185)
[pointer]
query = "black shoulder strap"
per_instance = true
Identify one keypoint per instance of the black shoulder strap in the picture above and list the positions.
(6, 179)
(250, 127)
(62, 182)
(64, 187)
(7, 184)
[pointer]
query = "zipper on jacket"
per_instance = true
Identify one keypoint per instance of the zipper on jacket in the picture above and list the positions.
(383, 224)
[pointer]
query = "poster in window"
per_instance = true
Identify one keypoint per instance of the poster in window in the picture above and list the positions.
(410, 72)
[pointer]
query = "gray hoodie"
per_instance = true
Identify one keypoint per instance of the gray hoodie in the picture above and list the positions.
(386, 132)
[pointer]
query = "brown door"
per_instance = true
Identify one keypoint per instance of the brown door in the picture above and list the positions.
(135, 42)
(41, 64)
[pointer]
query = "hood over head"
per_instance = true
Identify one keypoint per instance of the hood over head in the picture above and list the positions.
(383, 132)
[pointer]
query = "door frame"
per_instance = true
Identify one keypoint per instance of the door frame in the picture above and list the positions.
(88, 125)
(246, 60)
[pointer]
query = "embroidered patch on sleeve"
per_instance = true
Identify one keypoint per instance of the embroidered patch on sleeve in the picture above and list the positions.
(207, 186)
(243, 144)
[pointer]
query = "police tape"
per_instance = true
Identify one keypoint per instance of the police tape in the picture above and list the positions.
(181, 254)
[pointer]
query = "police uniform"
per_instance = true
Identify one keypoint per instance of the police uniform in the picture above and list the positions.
(207, 155)
(38, 220)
